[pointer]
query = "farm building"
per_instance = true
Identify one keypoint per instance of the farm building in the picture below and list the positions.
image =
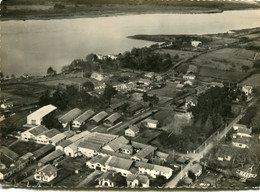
(113, 119)
(67, 118)
(132, 131)
(137, 180)
(151, 123)
(45, 137)
(46, 173)
(144, 154)
(61, 137)
(98, 117)
(80, 120)
(111, 179)
(32, 133)
(36, 117)
(97, 76)
(43, 151)
(116, 144)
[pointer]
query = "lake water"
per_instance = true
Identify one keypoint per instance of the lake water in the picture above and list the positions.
(34, 45)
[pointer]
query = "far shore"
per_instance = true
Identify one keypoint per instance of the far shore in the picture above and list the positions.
(105, 11)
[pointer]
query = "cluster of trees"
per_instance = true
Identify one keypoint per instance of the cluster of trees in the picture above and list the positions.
(71, 97)
(256, 64)
(145, 59)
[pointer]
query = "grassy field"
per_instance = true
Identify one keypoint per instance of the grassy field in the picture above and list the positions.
(253, 80)
(169, 90)
(182, 54)
(69, 81)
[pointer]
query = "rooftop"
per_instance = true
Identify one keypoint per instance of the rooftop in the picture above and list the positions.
(119, 163)
(53, 155)
(134, 128)
(116, 105)
(50, 133)
(143, 153)
(85, 116)
(43, 111)
(48, 170)
(100, 116)
(70, 116)
(9, 153)
(117, 143)
(37, 130)
(114, 117)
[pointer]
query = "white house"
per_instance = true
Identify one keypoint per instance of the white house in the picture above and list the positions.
(2, 117)
(189, 76)
(32, 133)
(132, 131)
(151, 123)
(46, 173)
(196, 43)
(191, 101)
(240, 142)
(80, 120)
(112, 56)
(45, 137)
(36, 117)
(119, 165)
(72, 149)
(137, 180)
(247, 89)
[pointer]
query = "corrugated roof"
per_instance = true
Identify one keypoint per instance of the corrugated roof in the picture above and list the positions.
(116, 105)
(119, 163)
(112, 153)
(114, 117)
(26, 156)
(134, 128)
(43, 150)
(37, 130)
(79, 136)
(9, 153)
(70, 116)
(85, 116)
(43, 111)
(89, 145)
(50, 133)
(117, 143)
(65, 143)
(68, 133)
(100, 116)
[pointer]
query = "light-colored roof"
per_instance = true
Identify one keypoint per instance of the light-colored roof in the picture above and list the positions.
(65, 143)
(26, 156)
(99, 159)
(74, 145)
(37, 130)
(134, 128)
(112, 118)
(116, 105)
(100, 116)
(79, 136)
(119, 163)
(244, 130)
(85, 116)
(68, 133)
(50, 133)
(196, 168)
(153, 167)
(116, 154)
(58, 138)
(70, 116)
(100, 138)
(48, 170)
(151, 121)
(117, 143)
(43, 111)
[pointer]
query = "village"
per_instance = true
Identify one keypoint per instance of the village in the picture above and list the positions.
(127, 127)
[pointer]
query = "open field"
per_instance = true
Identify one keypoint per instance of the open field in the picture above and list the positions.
(69, 81)
(182, 54)
(169, 90)
(253, 80)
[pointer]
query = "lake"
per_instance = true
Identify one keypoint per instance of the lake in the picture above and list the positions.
(34, 45)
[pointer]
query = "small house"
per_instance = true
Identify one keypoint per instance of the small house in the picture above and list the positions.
(132, 131)
(189, 76)
(97, 76)
(80, 120)
(196, 169)
(32, 133)
(149, 75)
(196, 43)
(151, 123)
(241, 142)
(98, 163)
(97, 119)
(119, 165)
(7, 105)
(45, 137)
(116, 144)
(137, 180)
(46, 173)
(111, 179)
(248, 90)
(113, 119)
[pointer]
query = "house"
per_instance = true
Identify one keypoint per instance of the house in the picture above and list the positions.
(90, 145)
(137, 180)
(196, 43)
(244, 132)
(132, 131)
(46, 173)
(153, 170)
(111, 179)
(126, 149)
(119, 165)
(12, 156)
(225, 152)
(117, 106)
(216, 84)
(72, 149)
(188, 82)
(44, 138)
(61, 137)
(113, 119)
(50, 157)
(149, 75)
(7, 105)
(67, 118)
(80, 120)
(192, 69)
(145, 82)
(32, 133)
(196, 169)
(2, 117)
(97, 76)
(179, 86)
(43, 151)
(146, 152)
(116, 144)
(191, 101)
(240, 142)
(247, 89)
(112, 56)
(151, 123)
(189, 76)
(98, 117)
(36, 117)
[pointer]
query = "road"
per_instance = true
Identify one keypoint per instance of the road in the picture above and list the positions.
(197, 156)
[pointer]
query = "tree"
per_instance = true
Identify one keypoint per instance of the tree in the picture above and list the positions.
(51, 71)
(245, 68)
(256, 64)
(208, 126)
(109, 92)
(1, 75)
(13, 76)
(176, 57)
(89, 86)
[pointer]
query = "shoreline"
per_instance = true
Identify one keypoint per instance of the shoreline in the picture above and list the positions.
(115, 13)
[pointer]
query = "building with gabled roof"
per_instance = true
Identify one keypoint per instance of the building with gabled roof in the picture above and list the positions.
(119, 165)
(111, 179)
(112, 119)
(37, 116)
(32, 133)
(247, 89)
(132, 109)
(196, 169)
(112, 153)
(98, 162)
(241, 142)
(80, 120)
(137, 180)
(4, 151)
(144, 154)
(126, 149)
(116, 106)
(67, 118)
(43, 151)
(116, 144)
(45, 137)
(98, 117)
(132, 131)
(63, 144)
(191, 101)
(50, 157)
(46, 173)
(79, 136)
(151, 123)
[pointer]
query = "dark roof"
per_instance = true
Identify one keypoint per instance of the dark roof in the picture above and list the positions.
(242, 140)
(50, 133)
(116, 105)
(37, 130)
(144, 152)
(43, 150)
(26, 156)
(114, 177)
(70, 116)
(244, 130)
(119, 163)
(89, 145)
(99, 117)
(99, 159)
(118, 143)
(65, 143)
(9, 153)
(85, 116)
(53, 155)
(134, 107)
(114, 117)
(116, 154)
